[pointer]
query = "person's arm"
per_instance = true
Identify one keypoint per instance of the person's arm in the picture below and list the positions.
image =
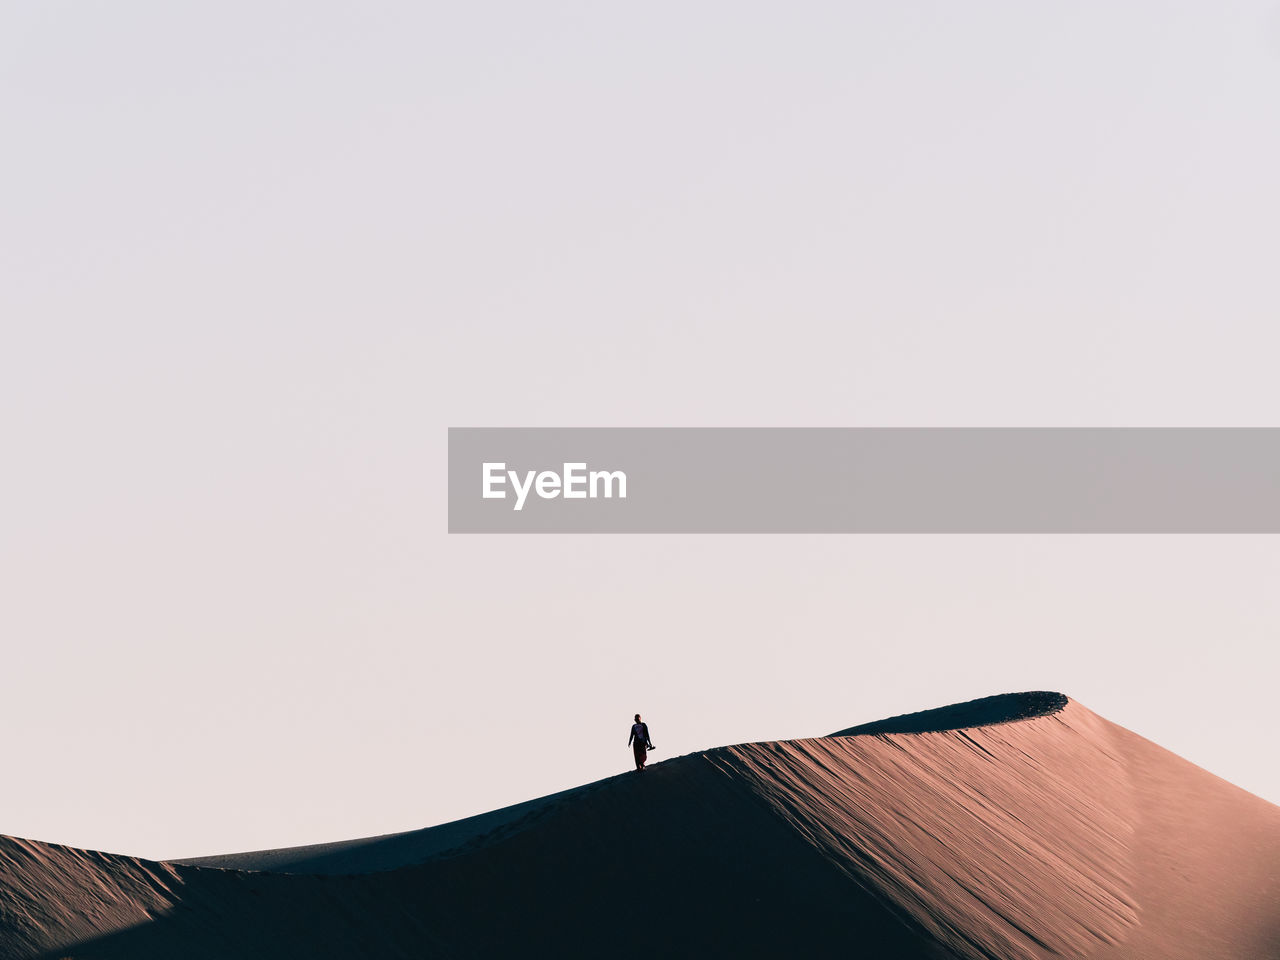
(632, 737)
(647, 742)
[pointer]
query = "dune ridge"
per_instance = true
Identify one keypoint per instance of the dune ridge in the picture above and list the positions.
(1018, 827)
(983, 712)
(992, 850)
(51, 894)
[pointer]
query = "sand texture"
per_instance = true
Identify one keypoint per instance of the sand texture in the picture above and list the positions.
(1017, 827)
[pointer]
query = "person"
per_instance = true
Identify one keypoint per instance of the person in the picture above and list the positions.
(639, 742)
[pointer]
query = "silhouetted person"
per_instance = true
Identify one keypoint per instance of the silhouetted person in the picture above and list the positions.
(639, 742)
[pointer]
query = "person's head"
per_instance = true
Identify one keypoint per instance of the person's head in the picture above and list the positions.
(637, 718)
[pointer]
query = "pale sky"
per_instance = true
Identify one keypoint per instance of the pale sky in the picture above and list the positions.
(257, 257)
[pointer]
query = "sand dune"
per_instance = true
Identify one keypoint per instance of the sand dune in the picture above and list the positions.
(1016, 827)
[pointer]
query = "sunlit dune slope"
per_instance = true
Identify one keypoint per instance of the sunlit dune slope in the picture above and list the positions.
(1019, 827)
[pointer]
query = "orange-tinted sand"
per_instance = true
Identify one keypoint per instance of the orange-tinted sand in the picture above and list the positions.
(1017, 827)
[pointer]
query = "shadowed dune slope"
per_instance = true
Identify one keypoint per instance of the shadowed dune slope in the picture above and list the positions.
(1017, 827)
(986, 712)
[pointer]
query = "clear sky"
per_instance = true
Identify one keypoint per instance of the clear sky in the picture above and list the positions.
(257, 257)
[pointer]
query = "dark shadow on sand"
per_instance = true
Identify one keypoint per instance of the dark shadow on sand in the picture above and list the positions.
(389, 851)
(1002, 708)
(681, 861)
